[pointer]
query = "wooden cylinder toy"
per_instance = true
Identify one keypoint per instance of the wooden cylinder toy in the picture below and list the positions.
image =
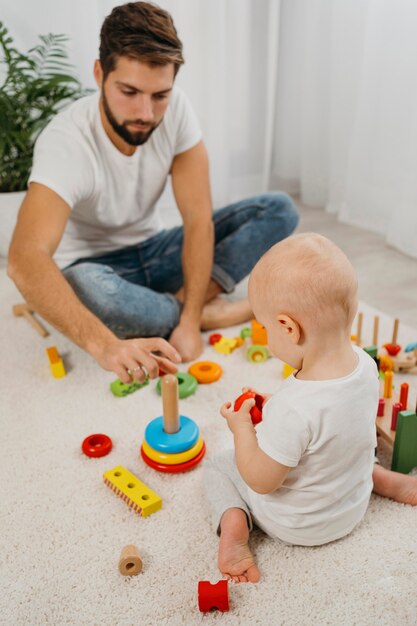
(396, 408)
(376, 327)
(388, 384)
(381, 407)
(169, 387)
(213, 596)
(130, 562)
(359, 329)
(395, 332)
(403, 396)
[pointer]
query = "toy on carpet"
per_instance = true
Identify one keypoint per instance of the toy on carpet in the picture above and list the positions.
(55, 363)
(24, 310)
(187, 384)
(258, 352)
(225, 345)
(256, 410)
(96, 445)
(213, 596)
(132, 490)
(121, 390)
(205, 372)
(172, 442)
(130, 563)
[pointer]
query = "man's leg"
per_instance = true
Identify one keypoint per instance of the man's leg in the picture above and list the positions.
(128, 309)
(225, 491)
(394, 485)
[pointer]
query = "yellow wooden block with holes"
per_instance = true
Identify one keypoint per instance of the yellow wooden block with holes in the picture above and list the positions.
(225, 345)
(55, 363)
(287, 370)
(132, 490)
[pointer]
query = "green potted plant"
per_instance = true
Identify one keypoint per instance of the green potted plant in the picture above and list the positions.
(34, 86)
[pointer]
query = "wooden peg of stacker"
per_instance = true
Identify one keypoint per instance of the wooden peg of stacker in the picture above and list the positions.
(169, 388)
(130, 562)
(359, 329)
(395, 332)
(376, 328)
(23, 310)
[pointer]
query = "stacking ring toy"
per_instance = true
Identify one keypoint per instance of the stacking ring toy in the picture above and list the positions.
(257, 353)
(96, 445)
(174, 469)
(205, 371)
(180, 441)
(256, 410)
(187, 385)
(173, 459)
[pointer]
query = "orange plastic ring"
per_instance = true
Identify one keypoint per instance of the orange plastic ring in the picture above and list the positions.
(205, 371)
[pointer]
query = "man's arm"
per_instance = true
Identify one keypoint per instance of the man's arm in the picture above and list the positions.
(259, 471)
(190, 182)
(41, 223)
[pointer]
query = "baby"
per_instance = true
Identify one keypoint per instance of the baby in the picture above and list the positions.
(305, 474)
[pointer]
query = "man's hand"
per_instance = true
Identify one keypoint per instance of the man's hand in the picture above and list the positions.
(125, 356)
(240, 419)
(187, 340)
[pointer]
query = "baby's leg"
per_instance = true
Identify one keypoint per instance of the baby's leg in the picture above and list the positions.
(225, 491)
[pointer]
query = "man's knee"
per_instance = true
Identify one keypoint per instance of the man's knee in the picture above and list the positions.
(91, 277)
(282, 207)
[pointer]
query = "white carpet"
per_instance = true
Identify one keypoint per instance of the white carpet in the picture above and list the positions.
(62, 529)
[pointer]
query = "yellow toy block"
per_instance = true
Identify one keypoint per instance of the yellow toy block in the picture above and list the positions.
(55, 363)
(133, 491)
(259, 336)
(287, 370)
(225, 345)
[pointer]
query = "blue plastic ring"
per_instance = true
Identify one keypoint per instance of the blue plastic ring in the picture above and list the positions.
(185, 438)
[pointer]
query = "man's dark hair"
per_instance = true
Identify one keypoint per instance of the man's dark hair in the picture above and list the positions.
(142, 31)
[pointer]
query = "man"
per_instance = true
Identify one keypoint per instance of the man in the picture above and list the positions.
(88, 252)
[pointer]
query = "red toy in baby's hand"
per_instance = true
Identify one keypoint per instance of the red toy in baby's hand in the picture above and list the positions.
(256, 410)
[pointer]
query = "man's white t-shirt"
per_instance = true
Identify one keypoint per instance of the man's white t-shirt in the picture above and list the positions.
(324, 430)
(112, 196)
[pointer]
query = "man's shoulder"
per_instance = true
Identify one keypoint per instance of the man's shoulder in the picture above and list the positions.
(75, 120)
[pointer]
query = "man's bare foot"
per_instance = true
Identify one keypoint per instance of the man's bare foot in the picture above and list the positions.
(235, 560)
(221, 313)
(398, 487)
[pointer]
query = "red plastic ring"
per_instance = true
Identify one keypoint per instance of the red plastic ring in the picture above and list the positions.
(96, 445)
(174, 469)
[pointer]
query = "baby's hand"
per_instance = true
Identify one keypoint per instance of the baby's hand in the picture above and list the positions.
(240, 418)
(265, 396)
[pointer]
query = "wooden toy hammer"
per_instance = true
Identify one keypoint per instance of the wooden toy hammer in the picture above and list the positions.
(23, 310)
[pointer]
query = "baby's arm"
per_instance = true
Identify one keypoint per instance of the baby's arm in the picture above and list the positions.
(259, 471)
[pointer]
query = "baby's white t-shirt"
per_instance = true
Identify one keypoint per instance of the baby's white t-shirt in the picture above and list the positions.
(325, 431)
(112, 196)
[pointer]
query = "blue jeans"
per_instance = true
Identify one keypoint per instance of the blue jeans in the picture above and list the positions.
(131, 290)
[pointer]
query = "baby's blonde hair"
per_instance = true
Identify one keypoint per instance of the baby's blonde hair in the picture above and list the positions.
(309, 278)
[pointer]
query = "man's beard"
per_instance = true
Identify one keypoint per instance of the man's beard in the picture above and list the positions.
(132, 138)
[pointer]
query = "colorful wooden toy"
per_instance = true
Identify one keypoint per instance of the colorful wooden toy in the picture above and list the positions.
(404, 456)
(226, 345)
(287, 370)
(257, 353)
(245, 333)
(130, 563)
(121, 390)
(205, 372)
(187, 385)
(388, 384)
(393, 348)
(259, 335)
(213, 596)
(256, 410)
(396, 408)
(55, 363)
(381, 407)
(96, 445)
(132, 490)
(403, 396)
(23, 310)
(214, 338)
(172, 442)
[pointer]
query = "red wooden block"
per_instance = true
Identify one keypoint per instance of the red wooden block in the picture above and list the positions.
(403, 396)
(392, 348)
(214, 338)
(256, 411)
(396, 408)
(381, 407)
(213, 596)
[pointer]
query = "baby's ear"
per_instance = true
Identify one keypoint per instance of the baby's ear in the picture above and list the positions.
(290, 327)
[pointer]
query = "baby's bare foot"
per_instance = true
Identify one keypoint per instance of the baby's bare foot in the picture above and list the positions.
(398, 487)
(235, 560)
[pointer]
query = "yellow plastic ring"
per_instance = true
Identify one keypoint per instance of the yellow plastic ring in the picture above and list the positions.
(205, 371)
(172, 459)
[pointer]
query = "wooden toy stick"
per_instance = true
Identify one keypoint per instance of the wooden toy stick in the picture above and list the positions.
(388, 384)
(169, 388)
(359, 329)
(376, 327)
(395, 332)
(130, 562)
(23, 310)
